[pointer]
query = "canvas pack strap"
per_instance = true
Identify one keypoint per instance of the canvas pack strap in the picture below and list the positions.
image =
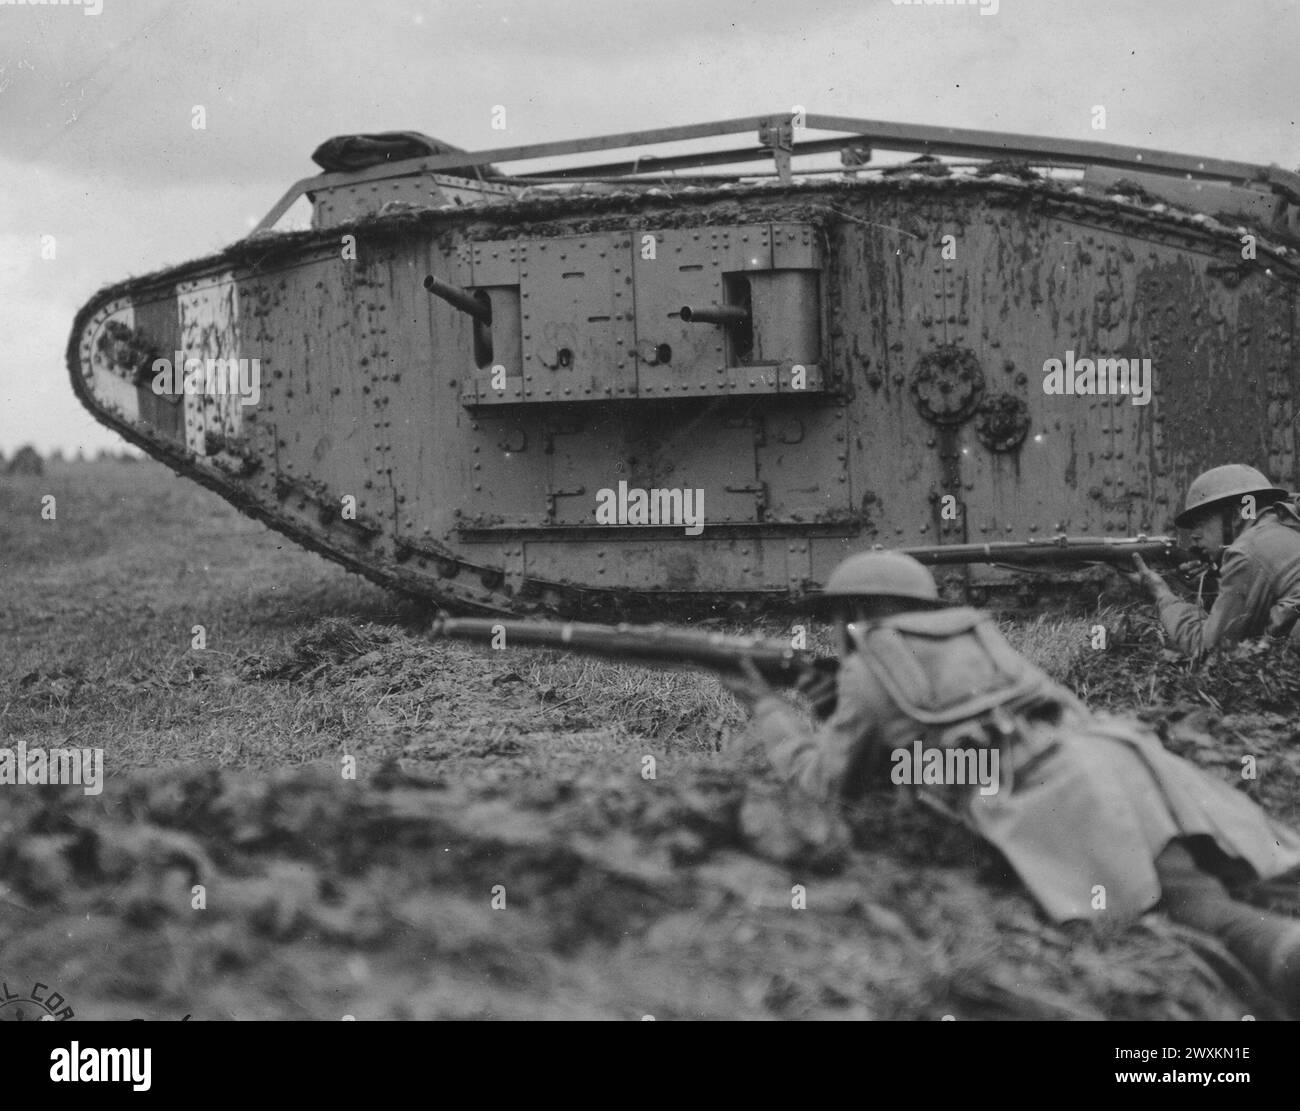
(885, 650)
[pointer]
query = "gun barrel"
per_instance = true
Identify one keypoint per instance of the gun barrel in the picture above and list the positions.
(460, 299)
(1062, 549)
(652, 644)
(719, 314)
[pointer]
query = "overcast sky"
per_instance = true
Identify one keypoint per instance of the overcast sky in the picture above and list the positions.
(97, 148)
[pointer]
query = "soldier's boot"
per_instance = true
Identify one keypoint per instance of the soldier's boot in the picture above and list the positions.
(1284, 968)
(1266, 943)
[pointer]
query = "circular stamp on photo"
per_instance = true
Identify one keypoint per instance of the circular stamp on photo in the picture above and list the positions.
(32, 1001)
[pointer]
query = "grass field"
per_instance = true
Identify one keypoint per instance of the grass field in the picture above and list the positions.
(488, 778)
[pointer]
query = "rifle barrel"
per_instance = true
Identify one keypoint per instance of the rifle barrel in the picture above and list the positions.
(655, 644)
(1083, 549)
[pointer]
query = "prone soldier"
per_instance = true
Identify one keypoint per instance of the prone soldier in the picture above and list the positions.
(1248, 527)
(1085, 799)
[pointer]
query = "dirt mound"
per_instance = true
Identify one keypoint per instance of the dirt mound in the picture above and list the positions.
(713, 894)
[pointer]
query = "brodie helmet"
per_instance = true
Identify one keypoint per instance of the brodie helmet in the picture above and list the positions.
(881, 573)
(1222, 484)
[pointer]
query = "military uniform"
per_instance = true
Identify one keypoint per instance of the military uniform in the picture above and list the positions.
(1084, 799)
(1259, 589)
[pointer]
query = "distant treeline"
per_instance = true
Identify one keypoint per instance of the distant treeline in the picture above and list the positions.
(27, 460)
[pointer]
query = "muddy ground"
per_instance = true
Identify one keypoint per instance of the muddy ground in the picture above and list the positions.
(501, 852)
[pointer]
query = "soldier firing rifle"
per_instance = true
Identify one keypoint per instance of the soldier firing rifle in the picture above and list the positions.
(1249, 528)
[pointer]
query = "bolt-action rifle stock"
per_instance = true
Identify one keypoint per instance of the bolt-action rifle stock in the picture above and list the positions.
(662, 646)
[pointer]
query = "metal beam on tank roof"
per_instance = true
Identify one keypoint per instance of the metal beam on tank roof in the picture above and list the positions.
(1033, 149)
(651, 164)
(1036, 148)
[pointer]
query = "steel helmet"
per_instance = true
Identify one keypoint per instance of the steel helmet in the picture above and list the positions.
(881, 572)
(1228, 482)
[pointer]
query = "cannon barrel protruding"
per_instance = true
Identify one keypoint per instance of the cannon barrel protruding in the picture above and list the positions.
(458, 298)
(719, 314)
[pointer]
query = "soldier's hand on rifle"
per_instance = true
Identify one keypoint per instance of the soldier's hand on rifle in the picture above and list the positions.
(1144, 577)
(1191, 571)
(747, 684)
(820, 685)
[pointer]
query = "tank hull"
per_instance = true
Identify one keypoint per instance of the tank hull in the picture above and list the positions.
(593, 450)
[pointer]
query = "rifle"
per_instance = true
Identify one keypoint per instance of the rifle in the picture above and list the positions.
(663, 646)
(1194, 574)
(778, 663)
(1058, 549)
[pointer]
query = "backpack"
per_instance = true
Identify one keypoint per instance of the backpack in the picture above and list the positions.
(951, 672)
